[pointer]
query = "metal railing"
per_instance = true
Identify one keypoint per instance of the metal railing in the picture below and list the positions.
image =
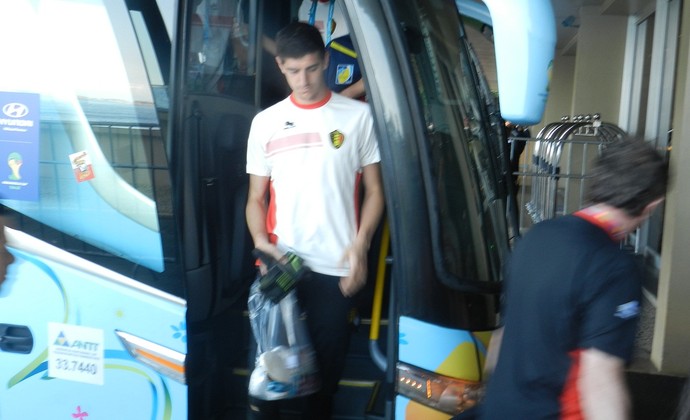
(556, 165)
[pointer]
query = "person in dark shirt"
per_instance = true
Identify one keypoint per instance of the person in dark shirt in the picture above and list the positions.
(343, 74)
(572, 298)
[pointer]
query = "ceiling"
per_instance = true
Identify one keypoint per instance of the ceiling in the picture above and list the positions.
(567, 14)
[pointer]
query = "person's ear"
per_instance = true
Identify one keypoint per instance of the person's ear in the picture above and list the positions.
(649, 208)
(280, 64)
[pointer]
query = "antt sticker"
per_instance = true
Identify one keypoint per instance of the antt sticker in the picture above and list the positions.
(75, 353)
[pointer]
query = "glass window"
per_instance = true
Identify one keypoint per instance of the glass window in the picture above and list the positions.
(93, 175)
(219, 59)
(643, 60)
(467, 200)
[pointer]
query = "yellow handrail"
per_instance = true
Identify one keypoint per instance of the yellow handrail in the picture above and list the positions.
(378, 287)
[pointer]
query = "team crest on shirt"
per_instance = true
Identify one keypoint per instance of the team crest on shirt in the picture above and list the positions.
(337, 138)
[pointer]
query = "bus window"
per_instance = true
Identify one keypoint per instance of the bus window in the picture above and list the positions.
(467, 199)
(94, 174)
(219, 43)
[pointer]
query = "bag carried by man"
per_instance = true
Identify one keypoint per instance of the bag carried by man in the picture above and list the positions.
(285, 365)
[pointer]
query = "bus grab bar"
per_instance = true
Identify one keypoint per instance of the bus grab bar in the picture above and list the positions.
(377, 356)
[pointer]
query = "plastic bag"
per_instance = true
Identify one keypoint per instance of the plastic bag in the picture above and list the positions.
(285, 365)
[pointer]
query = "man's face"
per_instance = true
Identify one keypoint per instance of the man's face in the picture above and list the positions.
(305, 77)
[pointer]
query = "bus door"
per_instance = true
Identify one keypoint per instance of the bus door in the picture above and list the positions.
(92, 315)
(222, 76)
(445, 202)
(445, 185)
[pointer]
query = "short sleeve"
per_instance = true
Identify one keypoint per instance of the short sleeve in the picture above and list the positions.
(369, 148)
(610, 311)
(256, 156)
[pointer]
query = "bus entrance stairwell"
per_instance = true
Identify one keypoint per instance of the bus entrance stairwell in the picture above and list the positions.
(217, 90)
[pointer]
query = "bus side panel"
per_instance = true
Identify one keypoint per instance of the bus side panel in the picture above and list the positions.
(445, 351)
(407, 409)
(65, 307)
(448, 352)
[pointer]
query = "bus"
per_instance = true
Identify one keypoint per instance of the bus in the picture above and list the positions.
(124, 124)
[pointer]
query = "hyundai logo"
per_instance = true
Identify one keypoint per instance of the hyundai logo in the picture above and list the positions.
(15, 110)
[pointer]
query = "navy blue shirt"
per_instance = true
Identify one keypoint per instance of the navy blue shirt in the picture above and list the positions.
(343, 68)
(569, 287)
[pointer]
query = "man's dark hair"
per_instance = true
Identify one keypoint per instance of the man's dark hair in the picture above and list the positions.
(629, 174)
(299, 39)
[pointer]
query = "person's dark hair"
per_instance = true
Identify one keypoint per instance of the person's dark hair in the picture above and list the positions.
(629, 174)
(299, 39)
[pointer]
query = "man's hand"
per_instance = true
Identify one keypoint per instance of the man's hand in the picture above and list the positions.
(372, 209)
(356, 255)
(272, 251)
(281, 276)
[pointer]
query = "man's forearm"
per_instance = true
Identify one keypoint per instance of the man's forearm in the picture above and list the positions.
(256, 210)
(370, 218)
(602, 387)
(372, 206)
(355, 90)
(256, 223)
(493, 352)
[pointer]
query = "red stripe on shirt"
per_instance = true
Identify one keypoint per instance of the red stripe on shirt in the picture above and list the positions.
(271, 215)
(294, 142)
(570, 397)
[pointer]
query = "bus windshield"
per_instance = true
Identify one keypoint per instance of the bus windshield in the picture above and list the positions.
(465, 189)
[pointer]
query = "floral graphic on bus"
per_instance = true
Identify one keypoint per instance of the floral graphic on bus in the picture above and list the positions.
(80, 414)
(180, 331)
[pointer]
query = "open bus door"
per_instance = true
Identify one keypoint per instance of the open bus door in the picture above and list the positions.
(445, 190)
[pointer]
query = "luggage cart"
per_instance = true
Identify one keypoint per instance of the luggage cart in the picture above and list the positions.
(560, 158)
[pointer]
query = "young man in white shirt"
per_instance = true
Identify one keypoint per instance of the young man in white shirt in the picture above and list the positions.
(308, 158)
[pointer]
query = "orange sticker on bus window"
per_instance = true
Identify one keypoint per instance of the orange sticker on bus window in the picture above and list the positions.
(81, 165)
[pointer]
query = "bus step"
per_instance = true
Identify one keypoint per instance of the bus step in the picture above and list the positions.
(355, 398)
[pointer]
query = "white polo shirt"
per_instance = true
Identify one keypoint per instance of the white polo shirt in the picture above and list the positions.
(314, 156)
